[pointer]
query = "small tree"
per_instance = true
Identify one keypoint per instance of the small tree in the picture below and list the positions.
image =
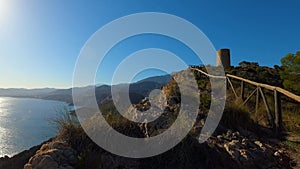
(290, 72)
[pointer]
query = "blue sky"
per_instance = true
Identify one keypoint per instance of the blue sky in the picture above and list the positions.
(40, 40)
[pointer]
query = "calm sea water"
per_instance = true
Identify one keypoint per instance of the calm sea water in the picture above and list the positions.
(25, 122)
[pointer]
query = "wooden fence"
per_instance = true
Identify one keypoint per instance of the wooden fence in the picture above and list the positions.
(276, 122)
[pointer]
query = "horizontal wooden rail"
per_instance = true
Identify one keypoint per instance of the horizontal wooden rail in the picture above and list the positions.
(266, 86)
(285, 92)
(288, 94)
(252, 82)
(212, 76)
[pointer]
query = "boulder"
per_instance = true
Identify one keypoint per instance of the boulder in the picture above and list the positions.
(53, 155)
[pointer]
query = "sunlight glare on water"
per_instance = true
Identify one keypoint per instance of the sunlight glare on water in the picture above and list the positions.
(25, 123)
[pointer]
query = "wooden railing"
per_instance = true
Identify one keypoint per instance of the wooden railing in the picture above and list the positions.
(275, 122)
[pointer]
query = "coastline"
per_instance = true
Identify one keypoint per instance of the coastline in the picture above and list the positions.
(40, 138)
(28, 97)
(20, 159)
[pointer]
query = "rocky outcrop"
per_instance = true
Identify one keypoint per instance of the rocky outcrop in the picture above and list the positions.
(251, 152)
(18, 160)
(53, 155)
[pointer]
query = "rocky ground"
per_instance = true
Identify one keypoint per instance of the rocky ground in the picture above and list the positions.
(227, 150)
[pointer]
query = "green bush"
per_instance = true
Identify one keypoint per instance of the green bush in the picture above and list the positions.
(290, 72)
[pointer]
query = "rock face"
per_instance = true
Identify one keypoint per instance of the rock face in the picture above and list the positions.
(52, 155)
(18, 161)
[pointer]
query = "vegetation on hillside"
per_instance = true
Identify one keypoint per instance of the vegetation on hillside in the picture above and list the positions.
(290, 72)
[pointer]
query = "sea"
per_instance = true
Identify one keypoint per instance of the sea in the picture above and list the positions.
(26, 122)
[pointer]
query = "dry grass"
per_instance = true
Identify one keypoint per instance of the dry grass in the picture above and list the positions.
(68, 126)
(236, 115)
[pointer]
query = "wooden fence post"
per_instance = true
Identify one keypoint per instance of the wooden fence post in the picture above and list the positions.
(242, 90)
(278, 113)
(270, 116)
(257, 101)
(231, 85)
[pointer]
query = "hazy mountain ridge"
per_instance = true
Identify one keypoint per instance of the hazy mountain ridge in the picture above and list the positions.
(138, 90)
(20, 92)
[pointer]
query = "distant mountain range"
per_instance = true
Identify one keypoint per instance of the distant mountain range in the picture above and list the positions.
(137, 91)
(19, 92)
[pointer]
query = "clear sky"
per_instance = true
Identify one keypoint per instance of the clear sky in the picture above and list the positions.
(40, 39)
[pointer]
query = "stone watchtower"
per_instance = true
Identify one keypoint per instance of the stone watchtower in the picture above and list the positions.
(223, 58)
